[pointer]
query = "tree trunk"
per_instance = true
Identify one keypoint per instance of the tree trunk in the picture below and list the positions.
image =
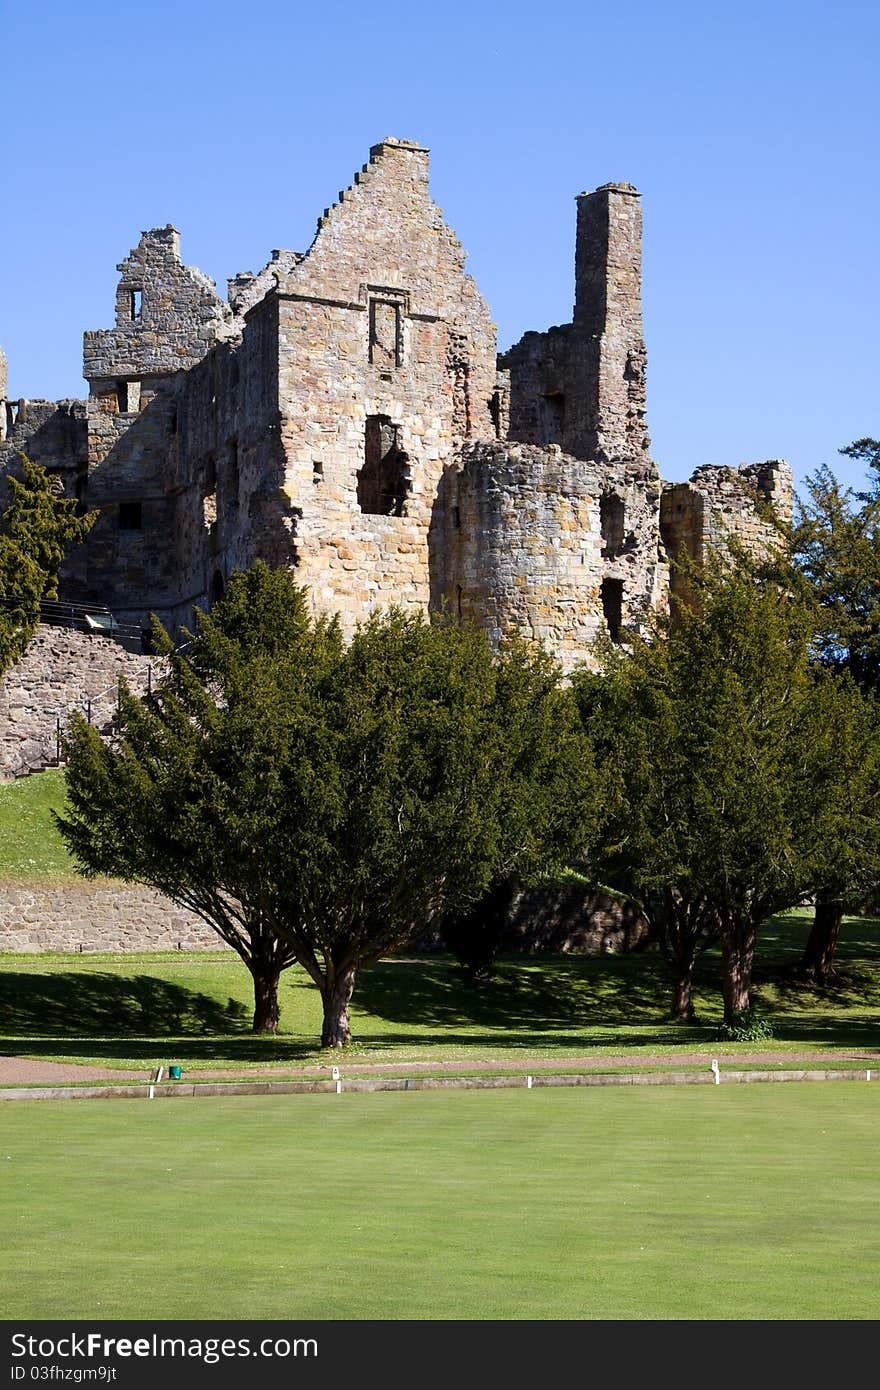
(680, 926)
(265, 1000)
(682, 999)
(818, 958)
(738, 953)
(336, 995)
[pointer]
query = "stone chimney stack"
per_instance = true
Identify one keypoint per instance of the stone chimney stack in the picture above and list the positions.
(608, 324)
(4, 393)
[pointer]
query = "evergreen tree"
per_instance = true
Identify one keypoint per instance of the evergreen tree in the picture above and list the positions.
(736, 774)
(36, 528)
(836, 548)
(322, 802)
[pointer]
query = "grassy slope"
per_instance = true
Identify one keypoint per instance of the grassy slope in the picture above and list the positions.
(30, 843)
(662, 1204)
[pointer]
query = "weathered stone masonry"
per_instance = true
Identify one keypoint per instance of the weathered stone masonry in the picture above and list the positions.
(344, 412)
(38, 915)
(61, 671)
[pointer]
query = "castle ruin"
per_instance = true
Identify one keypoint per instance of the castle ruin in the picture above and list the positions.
(344, 412)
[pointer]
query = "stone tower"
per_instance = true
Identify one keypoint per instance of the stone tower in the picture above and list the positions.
(581, 385)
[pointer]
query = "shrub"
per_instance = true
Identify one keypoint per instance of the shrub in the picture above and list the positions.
(745, 1027)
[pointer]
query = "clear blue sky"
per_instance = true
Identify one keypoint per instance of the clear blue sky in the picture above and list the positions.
(750, 128)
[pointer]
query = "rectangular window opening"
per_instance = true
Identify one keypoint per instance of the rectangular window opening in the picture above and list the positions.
(385, 481)
(136, 305)
(386, 341)
(130, 516)
(612, 523)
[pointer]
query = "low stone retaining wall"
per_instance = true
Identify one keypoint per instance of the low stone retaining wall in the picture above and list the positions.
(570, 919)
(176, 1090)
(100, 916)
(109, 916)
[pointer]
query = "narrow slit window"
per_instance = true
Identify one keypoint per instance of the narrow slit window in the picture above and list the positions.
(552, 418)
(612, 606)
(136, 304)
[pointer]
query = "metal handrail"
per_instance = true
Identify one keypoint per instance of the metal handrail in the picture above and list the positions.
(81, 617)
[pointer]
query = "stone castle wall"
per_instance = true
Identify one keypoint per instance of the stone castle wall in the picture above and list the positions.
(518, 545)
(97, 916)
(381, 333)
(167, 317)
(523, 541)
(346, 415)
(62, 670)
(582, 385)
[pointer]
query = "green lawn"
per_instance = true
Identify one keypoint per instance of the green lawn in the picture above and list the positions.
(30, 842)
(750, 1202)
(195, 1009)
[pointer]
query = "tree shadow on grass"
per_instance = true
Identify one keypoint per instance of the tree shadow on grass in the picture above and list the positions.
(782, 939)
(263, 1049)
(74, 1004)
(857, 1031)
(523, 996)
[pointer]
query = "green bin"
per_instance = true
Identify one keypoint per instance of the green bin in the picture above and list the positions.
(174, 1073)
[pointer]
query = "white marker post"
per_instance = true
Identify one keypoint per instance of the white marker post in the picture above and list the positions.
(715, 1071)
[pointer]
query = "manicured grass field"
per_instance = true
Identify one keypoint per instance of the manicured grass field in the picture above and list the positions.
(751, 1202)
(739, 1202)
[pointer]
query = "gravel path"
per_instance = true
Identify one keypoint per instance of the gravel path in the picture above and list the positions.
(33, 1071)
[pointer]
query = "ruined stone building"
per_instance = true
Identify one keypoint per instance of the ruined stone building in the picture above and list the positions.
(345, 412)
